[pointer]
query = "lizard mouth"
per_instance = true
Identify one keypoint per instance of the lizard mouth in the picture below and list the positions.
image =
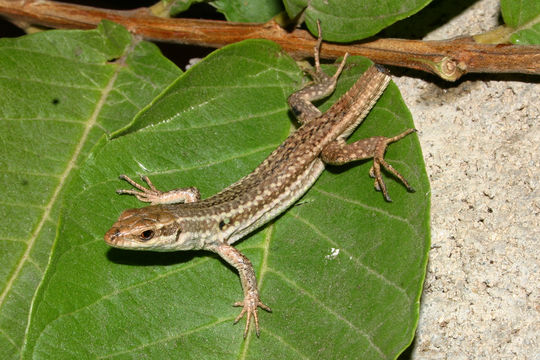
(113, 238)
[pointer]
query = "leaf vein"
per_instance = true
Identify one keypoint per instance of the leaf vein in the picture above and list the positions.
(367, 268)
(329, 310)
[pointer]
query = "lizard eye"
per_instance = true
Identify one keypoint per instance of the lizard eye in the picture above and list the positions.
(146, 235)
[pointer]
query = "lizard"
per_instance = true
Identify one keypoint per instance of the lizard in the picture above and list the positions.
(179, 220)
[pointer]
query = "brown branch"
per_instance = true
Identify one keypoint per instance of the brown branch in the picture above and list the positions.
(448, 59)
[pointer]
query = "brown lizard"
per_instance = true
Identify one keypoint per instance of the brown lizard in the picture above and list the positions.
(180, 220)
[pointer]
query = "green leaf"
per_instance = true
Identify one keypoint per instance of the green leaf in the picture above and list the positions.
(248, 11)
(341, 21)
(345, 21)
(524, 17)
(519, 12)
(61, 91)
(236, 10)
(210, 128)
(179, 6)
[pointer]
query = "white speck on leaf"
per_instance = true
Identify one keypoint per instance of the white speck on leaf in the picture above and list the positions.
(333, 254)
(141, 165)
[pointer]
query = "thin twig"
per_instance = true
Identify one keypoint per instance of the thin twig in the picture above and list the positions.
(448, 59)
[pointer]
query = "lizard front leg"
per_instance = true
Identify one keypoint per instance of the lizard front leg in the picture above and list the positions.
(249, 284)
(155, 196)
(339, 152)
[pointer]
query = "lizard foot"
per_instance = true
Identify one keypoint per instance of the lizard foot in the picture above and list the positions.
(378, 160)
(155, 196)
(250, 304)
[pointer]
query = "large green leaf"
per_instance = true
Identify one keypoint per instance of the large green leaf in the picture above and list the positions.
(352, 20)
(342, 21)
(342, 270)
(60, 92)
(524, 17)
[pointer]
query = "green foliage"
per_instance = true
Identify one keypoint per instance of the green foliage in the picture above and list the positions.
(179, 6)
(61, 91)
(235, 10)
(248, 11)
(345, 21)
(524, 17)
(342, 269)
(342, 21)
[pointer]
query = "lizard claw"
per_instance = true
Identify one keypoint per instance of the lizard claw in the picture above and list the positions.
(150, 194)
(250, 305)
(378, 161)
(155, 197)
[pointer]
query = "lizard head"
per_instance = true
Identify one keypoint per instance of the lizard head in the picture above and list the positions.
(148, 228)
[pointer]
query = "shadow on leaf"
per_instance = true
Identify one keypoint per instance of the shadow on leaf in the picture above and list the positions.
(150, 258)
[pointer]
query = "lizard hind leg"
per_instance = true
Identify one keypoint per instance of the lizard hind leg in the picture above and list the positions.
(321, 87)
(339, 153)
(319, 75)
